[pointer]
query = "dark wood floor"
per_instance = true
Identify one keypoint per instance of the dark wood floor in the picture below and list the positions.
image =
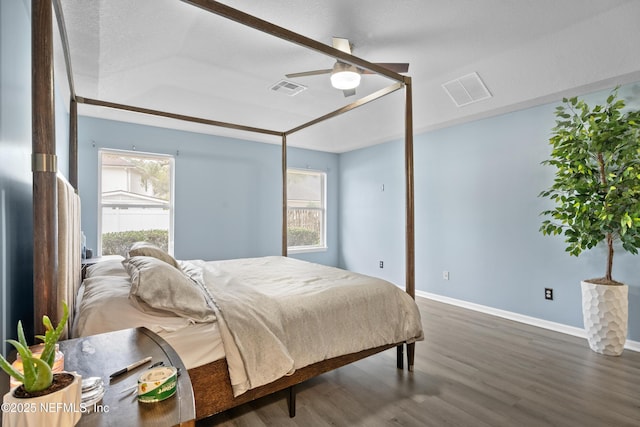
(472, 369)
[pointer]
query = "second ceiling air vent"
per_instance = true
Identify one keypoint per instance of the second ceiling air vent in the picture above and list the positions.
(287, 87)
(467, 89)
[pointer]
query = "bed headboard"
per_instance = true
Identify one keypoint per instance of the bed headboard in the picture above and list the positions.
(69, 241)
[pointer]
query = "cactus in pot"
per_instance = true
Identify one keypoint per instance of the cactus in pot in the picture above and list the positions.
(38, 374)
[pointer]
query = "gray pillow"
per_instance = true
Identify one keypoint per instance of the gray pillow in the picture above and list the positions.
(148, 249)
(155, 285)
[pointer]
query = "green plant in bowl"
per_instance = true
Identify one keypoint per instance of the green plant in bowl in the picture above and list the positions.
(38, 374)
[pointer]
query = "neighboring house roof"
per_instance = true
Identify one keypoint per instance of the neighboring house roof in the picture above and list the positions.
(121, 197)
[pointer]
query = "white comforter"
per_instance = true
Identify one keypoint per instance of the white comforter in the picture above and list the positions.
(284, 314)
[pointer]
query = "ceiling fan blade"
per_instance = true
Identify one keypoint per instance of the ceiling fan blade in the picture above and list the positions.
(398, 67)
(342, 44)
(349, 92)
(309, 73)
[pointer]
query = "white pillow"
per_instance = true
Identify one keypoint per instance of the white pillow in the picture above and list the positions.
(104, 306)
(158, 285)
(148, 249)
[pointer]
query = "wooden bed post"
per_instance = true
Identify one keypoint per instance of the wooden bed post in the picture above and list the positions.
(410, 226)
(410, 220)
(284, 195)
(44, 167)
(73, 103)
(73, 144)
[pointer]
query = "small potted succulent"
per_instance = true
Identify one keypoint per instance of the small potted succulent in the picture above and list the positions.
(44, 397)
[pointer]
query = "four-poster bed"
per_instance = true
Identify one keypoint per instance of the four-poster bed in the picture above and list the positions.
(47, 287)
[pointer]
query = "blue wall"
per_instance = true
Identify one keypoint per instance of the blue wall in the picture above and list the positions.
(228, 192)
(372, 214)
(16, 182)
(477, 216)
(16, 220)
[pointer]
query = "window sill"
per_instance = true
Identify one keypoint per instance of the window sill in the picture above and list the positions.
(306, 249)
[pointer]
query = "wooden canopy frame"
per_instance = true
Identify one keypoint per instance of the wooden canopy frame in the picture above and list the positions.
(44, 145)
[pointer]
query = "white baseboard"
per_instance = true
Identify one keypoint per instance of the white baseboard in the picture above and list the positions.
(534, 321)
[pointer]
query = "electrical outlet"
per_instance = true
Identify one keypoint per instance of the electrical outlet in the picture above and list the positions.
(445, 275)
(381, 264)
(548, 293)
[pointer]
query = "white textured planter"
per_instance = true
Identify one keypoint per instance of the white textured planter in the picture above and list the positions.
(60, 409)
(605, 314)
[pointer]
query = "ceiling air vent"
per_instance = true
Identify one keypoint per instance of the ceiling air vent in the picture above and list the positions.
(288, 88)
(467, 89)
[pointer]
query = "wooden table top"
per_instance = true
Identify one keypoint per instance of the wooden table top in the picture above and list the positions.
(103, 354)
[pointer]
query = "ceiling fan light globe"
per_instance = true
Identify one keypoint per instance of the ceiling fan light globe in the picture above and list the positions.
(344, 80)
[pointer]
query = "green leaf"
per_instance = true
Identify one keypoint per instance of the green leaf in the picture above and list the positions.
(6, 366)
(52, 336)
(28, 369)
(47, 322)
(21, 337)
(44, 377)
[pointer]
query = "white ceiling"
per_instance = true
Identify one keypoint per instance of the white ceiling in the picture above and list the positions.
(171, 56)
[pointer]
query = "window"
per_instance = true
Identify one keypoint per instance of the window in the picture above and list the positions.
(306, 210)
(136, 202)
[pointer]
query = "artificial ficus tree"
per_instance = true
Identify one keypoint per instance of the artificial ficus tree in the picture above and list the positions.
(596, 190)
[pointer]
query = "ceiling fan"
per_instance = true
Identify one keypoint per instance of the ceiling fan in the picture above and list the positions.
(346, 77)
